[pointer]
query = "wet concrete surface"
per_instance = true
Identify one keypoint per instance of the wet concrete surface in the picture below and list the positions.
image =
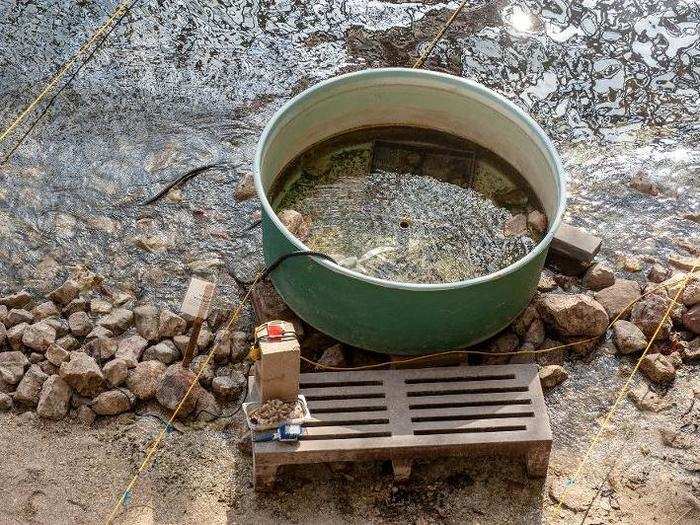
(616, 84)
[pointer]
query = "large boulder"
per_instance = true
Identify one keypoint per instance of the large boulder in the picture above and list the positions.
(117, 321)
(143, 380)
(39, 336)
(175, 384)
(147, 322)
(54, 400)
(617, 298)
(12, 366)
(131, 349)
(573, 315)
(648, 313)
(83, 374)
(29, 387)
(113, 402)
(628, 338)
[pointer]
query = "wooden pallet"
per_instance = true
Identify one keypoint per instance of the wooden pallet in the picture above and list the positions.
(400, 415)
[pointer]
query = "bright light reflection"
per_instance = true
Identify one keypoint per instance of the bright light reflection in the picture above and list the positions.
(520, 19)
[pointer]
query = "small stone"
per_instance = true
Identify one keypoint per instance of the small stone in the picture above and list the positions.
(113, 402)
(79, 304)
(143, 380)
(206, 409)
(68, 342)
(525, 319)
(676, 359)
(29, 387)
(648, 313)
(5, 402)
(645, 399)
(228, 387)
(99, 331)
(56, 354)
(39, 336)
(48, 367)
(172, 389)
(598, 276)
(85, 415)
(658, 273)
(334, 357)
(147, 322)
(116, 371)
(165, 352)
(101, 348)
(552, 375)
(54, 400)
(690, 352)
(181, 342)
(691, 293)
(14, 335)
(118, 321)
(537, 221)
(294, 222)
(222, 346)
(573, 315)
(171, 324)
(100, 307)
(546, 283)
(3, 313)
(515, 225)
(505, 343)
(80, 324)
(245, 189)
(13, 364)
(82, 374)
(207, 375)
(617, 298)
(16, 300)
(131, 349)
(204, 339)
(3, 335)
(630, 263)
(35, 357)
(628, 337)
(640, 181)
(44, 310)
(535, 333)
(58, 324)
(18, 316)
(691, 319)
(658, 368)
(65, 293)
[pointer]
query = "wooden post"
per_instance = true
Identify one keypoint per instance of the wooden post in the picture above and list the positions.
(196, 305)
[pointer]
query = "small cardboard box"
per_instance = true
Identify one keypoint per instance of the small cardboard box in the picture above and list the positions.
(277, 370)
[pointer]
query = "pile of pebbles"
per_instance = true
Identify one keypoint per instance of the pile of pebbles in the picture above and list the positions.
(88, 351)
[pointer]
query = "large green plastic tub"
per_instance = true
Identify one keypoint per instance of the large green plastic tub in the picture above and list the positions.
(393, 317)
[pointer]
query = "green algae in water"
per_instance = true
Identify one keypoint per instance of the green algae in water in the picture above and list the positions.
(408, 204)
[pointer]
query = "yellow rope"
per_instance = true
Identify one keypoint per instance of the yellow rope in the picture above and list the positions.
(154, 446)
(623, 392)
(63, 70)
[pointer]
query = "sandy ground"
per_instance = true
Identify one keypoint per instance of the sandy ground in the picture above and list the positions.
(68, 473)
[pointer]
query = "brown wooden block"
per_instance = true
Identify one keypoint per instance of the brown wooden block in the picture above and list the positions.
(277, 370)
(575, 243)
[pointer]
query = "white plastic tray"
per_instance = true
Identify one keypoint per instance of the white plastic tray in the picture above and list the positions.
(249, 407)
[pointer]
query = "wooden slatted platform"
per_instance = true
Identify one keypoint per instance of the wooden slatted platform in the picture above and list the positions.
(400, 415)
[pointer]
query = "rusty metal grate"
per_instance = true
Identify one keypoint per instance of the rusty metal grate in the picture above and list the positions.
(403, 414)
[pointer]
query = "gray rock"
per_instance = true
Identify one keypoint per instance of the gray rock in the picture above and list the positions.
(99, 331)
(29, 387)
(79, 304)
(68, 342)
(113, 402)
(16, 300)
(15, 334)
(5, 402)
(573, 315)
(100, 306)
(628, 338)
(117, 321)
(17, 316)
(54, 400)
(173, 387)
(222, 346)
(116, 371)
(240, 348)
(228, 387)
(147, 322)
(205, 338)
(648, 313)
(39, 336)
(171, 324)
(165, 352)
(598, 276)
(206, 409)
(80, 324)
(131, 349)
(143, 381)
(82, 374)
(691, 319)
(13, 364)
(205, 378)
(181, 342)
(617, 298)
(658, 368)
(56, 354)
(65, 293)
(44, 310)
(552, 375)
(333, 356)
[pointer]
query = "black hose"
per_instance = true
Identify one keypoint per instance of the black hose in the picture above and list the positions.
(273, 266)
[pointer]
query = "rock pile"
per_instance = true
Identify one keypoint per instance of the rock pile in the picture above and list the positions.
(82, 353)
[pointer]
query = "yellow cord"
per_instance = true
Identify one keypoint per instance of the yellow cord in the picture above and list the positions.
(623, 392)
(63, 70)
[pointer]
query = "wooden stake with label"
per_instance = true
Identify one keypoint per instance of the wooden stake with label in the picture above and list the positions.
(196, 305)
